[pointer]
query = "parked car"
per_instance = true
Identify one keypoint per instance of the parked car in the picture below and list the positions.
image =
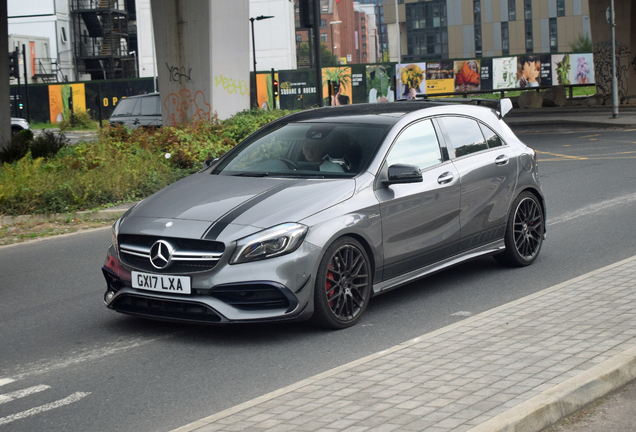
(18, 124)
(318, 211)
(138, 111)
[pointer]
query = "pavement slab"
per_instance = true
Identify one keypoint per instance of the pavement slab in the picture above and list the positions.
(521, 366)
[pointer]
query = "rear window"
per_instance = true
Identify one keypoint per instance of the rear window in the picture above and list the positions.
(150, 106)
(125, 107)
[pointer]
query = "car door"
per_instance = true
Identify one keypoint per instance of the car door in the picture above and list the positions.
(488, 174)
(420, 221)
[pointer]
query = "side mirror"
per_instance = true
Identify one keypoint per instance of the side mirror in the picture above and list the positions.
(505, 105)
(402, 173)
(208, 163)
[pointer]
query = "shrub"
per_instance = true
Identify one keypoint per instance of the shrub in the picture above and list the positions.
(18, 147)
(48, 144)
(80, 119)
(45, 146)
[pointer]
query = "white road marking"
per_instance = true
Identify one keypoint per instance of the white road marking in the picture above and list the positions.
(593, 208)
(37, 410)
(8, 397)
(462, 314)
(5, 381)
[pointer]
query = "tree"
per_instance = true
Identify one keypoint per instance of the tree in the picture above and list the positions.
(326, 57)
(583, 45)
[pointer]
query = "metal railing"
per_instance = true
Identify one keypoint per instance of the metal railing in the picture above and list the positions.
(98, 4)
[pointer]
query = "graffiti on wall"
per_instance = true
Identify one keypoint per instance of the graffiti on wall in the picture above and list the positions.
(603, 67)
(231, 85)
(177, 74)
(184, 107)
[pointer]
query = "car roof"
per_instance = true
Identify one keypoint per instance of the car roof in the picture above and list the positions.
(384, 113)
(142, 95)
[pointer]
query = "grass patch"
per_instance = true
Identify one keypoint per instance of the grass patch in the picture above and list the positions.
(26, 231)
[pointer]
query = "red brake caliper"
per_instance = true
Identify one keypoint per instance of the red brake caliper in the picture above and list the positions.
(328, 286)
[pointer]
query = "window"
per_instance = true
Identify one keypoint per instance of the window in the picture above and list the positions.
(363, 29)
(364, 38)
(477, 26)
(560, 7)
(364, 54)
(465, 135)
(427, 32)
(512, 10)
(150, 105)
(299, 38)
(63, 34)
(527, 9)
(417, 145)
(362, 20)
(554, 39)
(505, 39)
(323, 24)
(529, 44)
(364, 46)
(323, 37)
(492, 139)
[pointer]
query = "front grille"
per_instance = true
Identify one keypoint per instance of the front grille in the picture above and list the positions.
(252, 296)
(189, 255)
(169, 309)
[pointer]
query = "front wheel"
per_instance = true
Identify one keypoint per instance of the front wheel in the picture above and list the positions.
(343, 285)
(524, 232)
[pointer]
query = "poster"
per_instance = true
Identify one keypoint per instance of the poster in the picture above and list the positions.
(467, 75)
(440, 77)
(412, 80)
(59, 108)
(342, 87)
(582, 70)
(265, 96)
(546, 70)
(561, 69)
(297, 89)
(486, 74)
(528, 71)
(380, 84)
(504, 73)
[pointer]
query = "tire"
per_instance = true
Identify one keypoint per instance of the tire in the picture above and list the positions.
(524, 232)
(343, 285)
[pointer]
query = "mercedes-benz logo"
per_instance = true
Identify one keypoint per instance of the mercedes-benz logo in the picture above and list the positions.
(161, 254)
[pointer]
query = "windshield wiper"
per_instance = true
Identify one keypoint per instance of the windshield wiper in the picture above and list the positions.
(251, 174)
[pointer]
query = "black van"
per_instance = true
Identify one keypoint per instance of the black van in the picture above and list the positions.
(138, 111)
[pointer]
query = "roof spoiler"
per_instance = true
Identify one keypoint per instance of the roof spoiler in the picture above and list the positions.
(505, 105)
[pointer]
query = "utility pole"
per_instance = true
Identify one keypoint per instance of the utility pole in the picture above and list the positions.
(317, 50)
(614, 80)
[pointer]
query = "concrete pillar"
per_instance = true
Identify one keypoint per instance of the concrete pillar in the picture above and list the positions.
(5, 111)
(625, 47)
(202, 49)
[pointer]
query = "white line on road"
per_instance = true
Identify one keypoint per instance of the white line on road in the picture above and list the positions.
(5, 381)
(593, 208)
(37, 410)
(8, 397)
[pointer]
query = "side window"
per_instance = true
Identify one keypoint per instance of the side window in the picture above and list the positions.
(149, 105)
(417, 145)
(492, 138)
(137, 109)
(464, 134)
(124, 107)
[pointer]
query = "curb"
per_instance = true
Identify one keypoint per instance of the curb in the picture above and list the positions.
(92, 215)
(566, 398)
(532, 415)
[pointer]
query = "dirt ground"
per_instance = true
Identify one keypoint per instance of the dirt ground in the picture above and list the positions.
(28, 231)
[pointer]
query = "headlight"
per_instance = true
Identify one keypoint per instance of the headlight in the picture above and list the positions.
(275, 241)
(115, 232)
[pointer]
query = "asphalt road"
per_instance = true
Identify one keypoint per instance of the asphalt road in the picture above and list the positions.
(67, 363)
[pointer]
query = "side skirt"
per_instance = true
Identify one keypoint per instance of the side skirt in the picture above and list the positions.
(388, 285)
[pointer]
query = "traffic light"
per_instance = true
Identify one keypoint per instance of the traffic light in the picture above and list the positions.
(275, 88)
(306, 13)
(20, 104)
(14, 65)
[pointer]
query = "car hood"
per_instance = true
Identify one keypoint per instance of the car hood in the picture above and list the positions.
(215, 201)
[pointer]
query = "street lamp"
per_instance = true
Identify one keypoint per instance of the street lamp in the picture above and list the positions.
(333, 44)
(134, 54)
(258, 18)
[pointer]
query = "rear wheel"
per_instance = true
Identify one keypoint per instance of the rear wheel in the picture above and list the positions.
(343, 285)
(524, 232)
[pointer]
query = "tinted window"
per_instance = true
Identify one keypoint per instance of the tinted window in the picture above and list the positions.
(417, 145)
(150, 105)
(465, 135)
(492, 138)
(125, 107)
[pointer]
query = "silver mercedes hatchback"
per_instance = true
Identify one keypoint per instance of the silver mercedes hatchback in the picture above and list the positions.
(317, 212)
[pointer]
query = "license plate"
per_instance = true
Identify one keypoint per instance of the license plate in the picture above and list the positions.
(161, 283)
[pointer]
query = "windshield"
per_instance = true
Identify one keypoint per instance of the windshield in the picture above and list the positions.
(306, 150)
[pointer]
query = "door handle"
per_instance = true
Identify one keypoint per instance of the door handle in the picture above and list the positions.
(501, 160)
(447, 177)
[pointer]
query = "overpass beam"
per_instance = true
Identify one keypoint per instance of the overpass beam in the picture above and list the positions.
(202, 49)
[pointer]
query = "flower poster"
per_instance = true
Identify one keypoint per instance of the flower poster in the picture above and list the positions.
(582, 70)
(412, 78)
(467, 75)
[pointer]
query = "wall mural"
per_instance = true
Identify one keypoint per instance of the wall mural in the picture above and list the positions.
(603, 67)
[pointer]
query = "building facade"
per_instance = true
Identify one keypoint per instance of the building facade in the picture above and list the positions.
(446, 29)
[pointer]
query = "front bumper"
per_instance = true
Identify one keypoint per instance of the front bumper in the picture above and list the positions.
(276, 289)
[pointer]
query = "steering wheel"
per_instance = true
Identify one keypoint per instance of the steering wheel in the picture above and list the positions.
(290, 163)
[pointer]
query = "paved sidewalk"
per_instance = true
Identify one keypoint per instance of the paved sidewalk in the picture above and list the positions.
(521, 366)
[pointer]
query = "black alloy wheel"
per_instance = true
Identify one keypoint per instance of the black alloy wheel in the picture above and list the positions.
(524, 232)
(343, 285)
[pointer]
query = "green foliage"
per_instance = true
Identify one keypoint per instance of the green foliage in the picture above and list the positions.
(44, 146)
(339, 75)
(121, 165)
(563, 70)
(79, 120)
(326, 56)
(582, 45)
